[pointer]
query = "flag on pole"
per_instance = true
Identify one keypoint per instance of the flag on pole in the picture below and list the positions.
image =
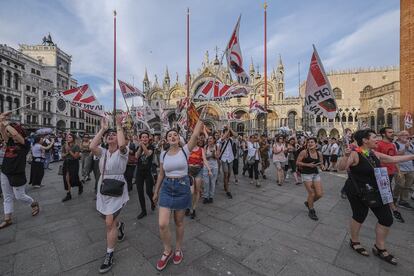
(319, 99)
(143, 112)
(192, 116)
(182, 104)
(234, 56)
(165, 124)
(408, 120)
(83, 98)
(129, 91)
(255, 106)
(232, 117)
(214, 90)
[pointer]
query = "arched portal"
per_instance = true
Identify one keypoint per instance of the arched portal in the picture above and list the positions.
(322, 133)
(334, 133)
(61, 125)
(292, 119)
(380, 118)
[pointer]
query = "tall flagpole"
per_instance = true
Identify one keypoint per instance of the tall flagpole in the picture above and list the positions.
(188, 53)
(265, 65)
(114, 111)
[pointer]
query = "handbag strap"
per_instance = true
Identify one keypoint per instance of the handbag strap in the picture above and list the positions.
(104, 165)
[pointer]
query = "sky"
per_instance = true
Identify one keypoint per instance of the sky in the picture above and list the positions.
(152, 34)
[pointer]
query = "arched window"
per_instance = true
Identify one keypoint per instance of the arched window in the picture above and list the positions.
(8, 78)
(33, 103)
(16, 81)
(372, 122)
(17, 105)
(9, 101)
(48, 107)
(337, 93)
(1, 103)
(343, 117)
(292, 120)
(337, 118)
(44, 105)
(240, 128)
(318, 118)
(389, 119)
(1, 76)
(356, 117)
(380, 118)
(350, 118)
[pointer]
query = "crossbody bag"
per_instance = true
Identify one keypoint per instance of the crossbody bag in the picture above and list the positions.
(111, 187)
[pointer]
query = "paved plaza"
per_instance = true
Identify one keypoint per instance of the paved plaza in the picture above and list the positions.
(261, 231)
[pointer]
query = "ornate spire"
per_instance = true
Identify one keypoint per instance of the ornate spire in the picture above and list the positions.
(251, 68)
(146, 75)
(216, 60)
(166, 82)
(280, 65)
(166, 75)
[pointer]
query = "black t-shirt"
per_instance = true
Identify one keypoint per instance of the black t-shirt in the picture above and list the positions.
(14, 162)
(145, 162)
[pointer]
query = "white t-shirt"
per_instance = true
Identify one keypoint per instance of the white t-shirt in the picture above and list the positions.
(114, 169)
(175, 165)
(253, 150)
(227, 155)
(334, 149)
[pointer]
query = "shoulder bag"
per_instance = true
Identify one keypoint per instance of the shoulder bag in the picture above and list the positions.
(111, 187)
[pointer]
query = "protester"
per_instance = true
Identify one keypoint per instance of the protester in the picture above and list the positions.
(144, 156)
(71, 155)
(264, 154)
(334, 154)
(236, 149)
(112, 192)
(386, 146)
(132, 163)
(209, 180)
(326, 153)
(309, 160)
(253, 159)
(226, 157)
(37, 169)
(48, 155)
(361, 183)
(279, 158)
(291, 156)
(86, 158)
(404, 179)
(13, 174)
(173, 191)
(196, 162)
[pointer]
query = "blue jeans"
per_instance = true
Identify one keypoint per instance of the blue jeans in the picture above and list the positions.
(209, 182)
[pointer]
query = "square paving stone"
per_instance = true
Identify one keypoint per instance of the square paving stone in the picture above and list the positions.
(256, 235)
(246, 219)
(68, 239)
(221, 226)
(269, 259)
(20, 245)
(305, 246)
(286, 227)
(308, 266)
(42, 260)
(130, 262)
(328, 235)
(226, 244)
(6, 264)
(222, 265)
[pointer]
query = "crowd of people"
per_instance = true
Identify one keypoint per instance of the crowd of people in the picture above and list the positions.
(174, 174)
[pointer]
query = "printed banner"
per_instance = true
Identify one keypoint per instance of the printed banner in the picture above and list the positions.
(408, 120)
(214, 90)
(319, 99)
(234, 56)
(129, 91)
(82, 97)
(383, 182)
(255, 106)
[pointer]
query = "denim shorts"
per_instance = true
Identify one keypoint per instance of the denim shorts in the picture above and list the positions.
(311, 177)
(175, 193)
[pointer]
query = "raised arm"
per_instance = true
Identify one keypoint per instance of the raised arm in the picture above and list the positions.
(52, 141)
(96, 141)
(120, 134)
(3, 131)
(349, 159)
(193, 139)
(384, 158)
(6, 127)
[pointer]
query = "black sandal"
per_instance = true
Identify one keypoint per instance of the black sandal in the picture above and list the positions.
(35, 208)
(6, 223)
(360, 250)
(380, 254)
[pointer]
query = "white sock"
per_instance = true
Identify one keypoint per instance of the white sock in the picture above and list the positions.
(109, 250)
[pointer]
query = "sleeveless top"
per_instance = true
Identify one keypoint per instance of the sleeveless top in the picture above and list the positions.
(37, 151)
(196, 157)
(309, 159)
(363, 173)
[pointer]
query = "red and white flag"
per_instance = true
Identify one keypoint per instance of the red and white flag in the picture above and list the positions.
(83, 98)
(232, 117)
(214, 90)
(319, 99)
(408, 120)
(182, 104)
(165, 124)
(234, 56)
(129, 91)
(255, 106)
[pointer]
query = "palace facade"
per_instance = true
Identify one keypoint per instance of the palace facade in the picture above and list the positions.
(284, 111)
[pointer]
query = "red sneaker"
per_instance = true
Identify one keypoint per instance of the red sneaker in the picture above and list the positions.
(178, 257)
(162, 263)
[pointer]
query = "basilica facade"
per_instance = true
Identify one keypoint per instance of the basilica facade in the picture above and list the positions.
(282, 111)
(350, 88)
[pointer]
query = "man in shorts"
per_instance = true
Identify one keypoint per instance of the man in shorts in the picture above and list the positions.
(226, 157)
